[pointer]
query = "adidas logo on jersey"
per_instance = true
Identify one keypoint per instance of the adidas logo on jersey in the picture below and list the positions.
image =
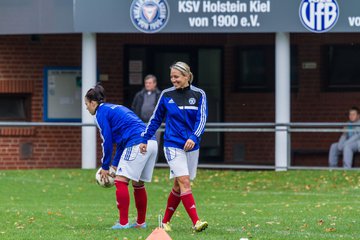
(171, 101)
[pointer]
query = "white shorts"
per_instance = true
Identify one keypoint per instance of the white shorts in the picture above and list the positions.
(137, 166)
(182, 163)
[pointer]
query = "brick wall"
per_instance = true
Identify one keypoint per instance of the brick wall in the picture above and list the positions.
(21, 70)
(311, 103)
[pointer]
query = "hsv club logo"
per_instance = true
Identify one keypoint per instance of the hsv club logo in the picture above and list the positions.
(149, 16)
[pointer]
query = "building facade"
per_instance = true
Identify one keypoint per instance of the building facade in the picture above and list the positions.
(237, 51)
(317, 94)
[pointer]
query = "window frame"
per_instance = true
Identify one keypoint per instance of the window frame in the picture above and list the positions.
(328, 68)
(269, 83)
(26, 104)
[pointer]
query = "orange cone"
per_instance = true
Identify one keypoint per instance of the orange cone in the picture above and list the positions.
(158, 234)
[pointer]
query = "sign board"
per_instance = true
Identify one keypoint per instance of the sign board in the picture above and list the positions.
(215, 16)
(62, 94)
(135, 72)
(178, 16)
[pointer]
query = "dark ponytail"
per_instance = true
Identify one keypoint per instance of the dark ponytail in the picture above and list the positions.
(96, 94)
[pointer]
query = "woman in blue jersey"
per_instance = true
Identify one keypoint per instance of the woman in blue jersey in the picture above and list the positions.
(119, 125)
(184, 108)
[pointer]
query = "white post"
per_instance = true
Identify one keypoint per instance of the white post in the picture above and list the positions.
(282, 101)
(88, 134)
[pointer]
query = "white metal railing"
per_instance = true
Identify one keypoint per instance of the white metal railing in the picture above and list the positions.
(45, 124)
(233, 127)
(218, 125)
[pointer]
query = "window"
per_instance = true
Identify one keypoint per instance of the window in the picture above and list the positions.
(14, 107)
(255, 69)
(342, 67)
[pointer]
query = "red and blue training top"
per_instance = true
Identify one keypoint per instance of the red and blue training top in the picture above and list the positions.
(185, 113)
(120, 125)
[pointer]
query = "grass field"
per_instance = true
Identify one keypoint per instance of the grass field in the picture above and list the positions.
(67, 204)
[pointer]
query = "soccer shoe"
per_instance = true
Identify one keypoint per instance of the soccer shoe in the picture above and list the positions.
(200, 225)
(136, 225)
(166, 227)
(119, 226)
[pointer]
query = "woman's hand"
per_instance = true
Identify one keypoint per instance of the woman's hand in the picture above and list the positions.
(113, 173)
(143, 147)
(189, 145)
(104, 175)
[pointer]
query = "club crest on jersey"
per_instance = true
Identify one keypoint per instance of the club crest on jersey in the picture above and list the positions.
(319, 15)
(149, 16)
(192, 101)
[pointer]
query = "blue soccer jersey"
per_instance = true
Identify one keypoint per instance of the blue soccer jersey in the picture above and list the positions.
(185, 113)
(117, 124)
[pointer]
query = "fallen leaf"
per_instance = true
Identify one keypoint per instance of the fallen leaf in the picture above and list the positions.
(330, 229)
(305, 225)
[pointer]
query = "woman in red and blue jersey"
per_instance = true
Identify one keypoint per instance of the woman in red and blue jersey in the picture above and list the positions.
(184, 108)
(119, 125)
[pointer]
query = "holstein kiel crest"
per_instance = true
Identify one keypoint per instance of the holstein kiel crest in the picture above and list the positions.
(319, 15)
(149, 16)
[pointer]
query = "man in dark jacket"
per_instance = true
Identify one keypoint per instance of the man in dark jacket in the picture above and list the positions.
(145, 101)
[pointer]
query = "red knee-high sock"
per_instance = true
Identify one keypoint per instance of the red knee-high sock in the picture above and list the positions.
(140, 203)
(189, 204)
(123, 201)
(172, 203)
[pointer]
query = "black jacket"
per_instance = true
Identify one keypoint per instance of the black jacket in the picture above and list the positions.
(139, 100)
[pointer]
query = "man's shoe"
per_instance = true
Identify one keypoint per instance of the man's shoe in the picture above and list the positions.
(166, 227)
(136, 225)
(200, 226)
(119, 226)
